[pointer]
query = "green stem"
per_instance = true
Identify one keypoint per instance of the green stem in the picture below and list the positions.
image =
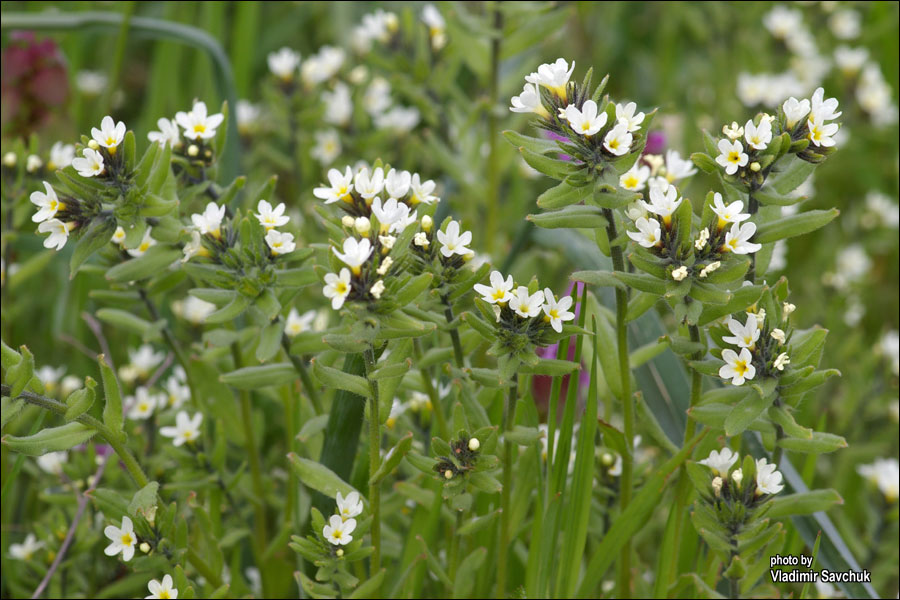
(493, 168)
(753, 208)
(311, 391)
(454, 335)
(509, 416)
(437, 411)
(374, 462)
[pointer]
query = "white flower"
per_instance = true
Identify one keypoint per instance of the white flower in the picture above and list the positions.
(50, 377)
(553, 76)
(787, 308)
(397, 183)
(338, 104)
(177, 393)
(377, 98)
(279, 242)
(349, 507)
(110, 134)
(210, 220)
(388, 240)
(90, 164)
(737, 240)
(47, 202)
(197, 125)
(337, 288)
(649, 233)
(432, 17)
(795, 110)
(52, 462)
(678, 168)
(454, 242)
(663, 202)
(385, 264)
(778, 335)
(529, 101)
(845, 24)
(61, 156)
(734, 132)
(322, 66)
(498, 291)
(781, 361)
(142, 404)
(90, 83)
(738, 477)
(730, 213)
(821, 109)
(147, 242)
(680, 273)
(392, 215)
(186, 429)
(144, 360)
(400, 119)
(356, 252)
(168, 133)
(557, 311)
(369, 184)
(821, 133)
(192, 248)
(338, 531)
(732, 156)
(782, 22)
(422, 191)
(720, 461)
(618, 140)
(284, 63)
(526, 305)
(885, 473)
(270, 217)
(247, 116)
(33, 163)
(585, 121)
(850, 60)
(162, 590)
(59, 233)
(341, 186)
(737, 367)
(25, 550)
(768, 480)
(122, 539)
(743, 336)
(635, 178)
(297, 323)
(625, 114)
(758, 136)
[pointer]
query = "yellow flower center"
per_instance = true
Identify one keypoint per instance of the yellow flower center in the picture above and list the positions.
(631, 181)
(188, 435)
(341, 287)
(110, 141)
(553, 314)
(164, 594)
(734, 157)
(337, 534)
(144, 407)
(199, 128)
(127, 540)
(498, 294)
(614, 144)
(740, 367)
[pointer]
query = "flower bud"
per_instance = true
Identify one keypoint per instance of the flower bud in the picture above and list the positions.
(448, 474)
(474, 444)
(427, 223)
(93, 145)
(755, 167)
(193, 150)
(362, 225)
(33, 163)
(347, 221)
(737, 476)
(421, 239)
(387, 241)
(717, 486)
(607, 459)
(9, 159)
(339, 552)
(145, 547)
(787, 308)
(680, 273)
(385, 265)
(778, 334)
(377, 289)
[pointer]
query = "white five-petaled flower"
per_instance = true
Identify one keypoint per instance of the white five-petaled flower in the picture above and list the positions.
(730, 213)
(118, 236)
(369, 184)
(338, 104)
(25, 550)
(270, 217)
(110, 134)
(338, 531)
(322, 66)
(499, 291)
(341, 186)
(90, 164)
(177, 392)
(885, 473)
(529, 101)
(122, 539)
(758, 136)
(557, 311)
(349, 507)
(193, 309)
(732, 156)
(585, 121)
(663, 202)
(434, 20)
(737, 367)
(737, 240)
(397, 183)
(147, 242)
(52, 462)
(720, 461)
(649, 233)
(284, 63)
(210, 220)
(822, 133)
(422, 191)
(553, 76)
(781, 361)
(47, 202)
(454, 242)
(795, 110)
(355, 253)
(162, 590)
(393, 216)
(678, 168)
(821, 109)
(61, 156)
(743, 336)
(59, 233)
(142, 404)
(168, 133)
(635, 178)
(626, 115)
(297, 323)
(768, 480)
(618, 140)
(524, 304)
(337, 288)
(327, 147)
(280, 242)
(186, 429)
(197, 124)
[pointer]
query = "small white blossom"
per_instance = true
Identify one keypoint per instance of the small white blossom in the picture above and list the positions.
(61, 156)
(795, 110)
(731, 156)
(850, 60)
(702, 240)
(47, 203)
(377, 97)
(553, 76)
(649, 233)
(821, 133)
(663, 202)
(782, 361)
(635, 178)
(341, 184)
(393, 216)
(387, 241)
(422, 191)
(454, 242)
(618, 140)
(322, 66)
(385, 265)
(845, 24)
(783, 22)
(680, 273)
(529, 101)
(177, 393)
(327, 147)
(369, 184)
(743, 335)
(147, 242)
(349, 507)
(270, 217)
(586, 121)
(284, 63)
(421, 239)
(355, 253)
(186, 429)
(499, 291)
(52, 462)
(90, 164)
(524, 304)
(730, 213)
(677, 168)
(822, 109)
(433, 19)
(733, 132)
(768, 480)
(168, 133)
(297, 323)
(338, 104)
(33, 163)
(625, 114)
(197, 124)
(26, 550)
(557, 311)
(885, 473)
(337, 288)
(737, 367)
(280, 242)
(209, 221)
(122, 539)
(164, 589)
(110, 134)
(720, 461)
(758, 136)
(377, 289)
(338, 532)
(399, 119)
(59, 233)
(247, 116)
(737, 240)
(778, 335)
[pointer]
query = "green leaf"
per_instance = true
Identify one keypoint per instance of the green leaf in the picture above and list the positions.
(805, 503)
(130, 322)
(782, 417)
(269, 340)
(552, 167)
(21, 373)
(786, 180)
(562, 195)
(820, 443)
(570, 217)
(80, 401)
(704, 162)
(392, 459)
(319, 477)
(746, 411)
(536, 145)
(96, 236)
(413, 288)
(599, 278)
(249, 378)
(643, 282)
(231, 311)
(466, 575)
(333, 378)
(52, 439)
(144, 501)
(370, 587)
(550, 366)
(112, 408)
(794, 225)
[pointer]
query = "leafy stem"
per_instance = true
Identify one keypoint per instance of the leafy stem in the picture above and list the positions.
(374, 460)
(509, 416)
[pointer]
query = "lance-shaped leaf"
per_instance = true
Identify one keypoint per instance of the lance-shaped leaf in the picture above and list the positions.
(794, 225)
(112, 408)
(319, 477)
(52, 439)
(96, 236)
(248, 378)
(392, 459)
(819, 443)
(805, 503)
(334, 378)
(570, 217)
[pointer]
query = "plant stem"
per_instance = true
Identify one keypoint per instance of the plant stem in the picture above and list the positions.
(437, 411)
(374, 461)
(618, 262)
(311, 392)
(170, 340)
(493, 168)
(454, 335)
(509, 416)
(753, 208)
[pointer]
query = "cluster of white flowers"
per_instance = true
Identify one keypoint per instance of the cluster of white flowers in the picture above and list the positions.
(378, 26)
(768, 478)
(141, 363)
(739, 367)
(503, 292)
(279, 242)
(338, 532)
(143, 403)
(48, 205)
(884, 473)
